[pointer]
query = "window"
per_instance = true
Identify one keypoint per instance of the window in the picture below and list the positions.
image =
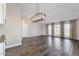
(50, 29)
(67, 30)
(57, 30)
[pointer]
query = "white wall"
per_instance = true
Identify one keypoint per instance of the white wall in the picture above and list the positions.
(33, 29)
(13, 25)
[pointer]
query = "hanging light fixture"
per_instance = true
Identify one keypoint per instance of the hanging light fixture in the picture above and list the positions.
(39, 16)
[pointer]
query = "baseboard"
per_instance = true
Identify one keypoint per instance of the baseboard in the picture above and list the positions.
(62, 37)
(6, 47)
(34, 36)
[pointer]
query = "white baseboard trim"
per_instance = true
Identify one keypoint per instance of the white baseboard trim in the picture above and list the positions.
(31, 36)
(13, 45)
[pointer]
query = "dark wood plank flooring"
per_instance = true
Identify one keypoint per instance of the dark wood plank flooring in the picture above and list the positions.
(55, 46)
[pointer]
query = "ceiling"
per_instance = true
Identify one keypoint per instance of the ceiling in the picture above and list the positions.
(54, 11)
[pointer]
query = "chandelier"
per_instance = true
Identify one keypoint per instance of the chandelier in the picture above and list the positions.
(39, 16)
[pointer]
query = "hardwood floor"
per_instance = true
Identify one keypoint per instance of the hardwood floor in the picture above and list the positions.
(46, 46)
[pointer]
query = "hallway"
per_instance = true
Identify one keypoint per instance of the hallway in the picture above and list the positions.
(45, 46)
